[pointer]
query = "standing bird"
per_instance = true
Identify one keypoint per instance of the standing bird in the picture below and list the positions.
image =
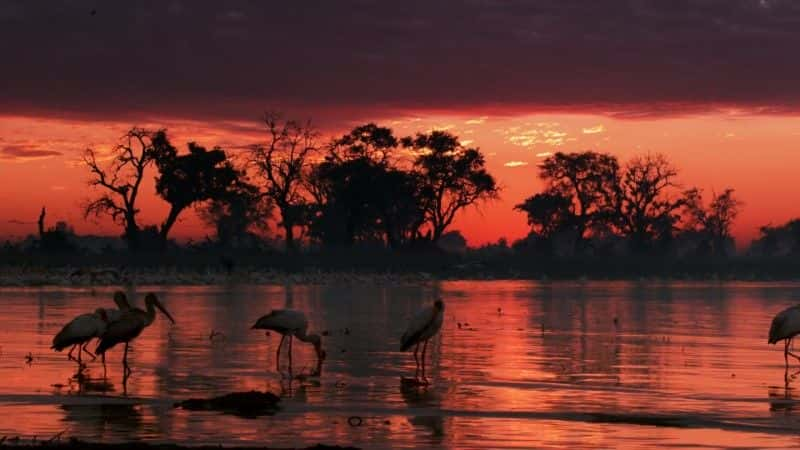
(422, 327)
(785, 326)
(291, 323)
(79, 331)
(129, 326)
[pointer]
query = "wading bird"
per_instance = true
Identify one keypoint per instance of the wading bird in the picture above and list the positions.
(129, 326)
(290, 323)
(785, 326)
(79, 331)
(422, 327)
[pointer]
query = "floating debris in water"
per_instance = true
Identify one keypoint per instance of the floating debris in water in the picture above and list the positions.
(29, 358)
(246, 404)
(355, 421)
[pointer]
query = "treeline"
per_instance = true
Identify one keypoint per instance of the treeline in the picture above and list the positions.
(365, 188)
(374, 191)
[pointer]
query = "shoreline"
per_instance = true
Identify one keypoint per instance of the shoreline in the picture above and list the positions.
(74, 443)
(190, 276)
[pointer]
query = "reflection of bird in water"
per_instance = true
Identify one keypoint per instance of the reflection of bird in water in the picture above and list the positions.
(785, 326)
(781, 399)
(291, 323)
(79, 331)
(416, 397)
(422, 327)
(129, 326)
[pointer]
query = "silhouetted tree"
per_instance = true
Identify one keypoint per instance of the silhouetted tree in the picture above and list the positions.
(187, 179)
(282, 164)
(361, 196)
(236, 212)
(782, 240)
(548, 213)
(452, 178)
(55, 239)
(643, 209)
(121, 178)
(589, 179)
(713, 222)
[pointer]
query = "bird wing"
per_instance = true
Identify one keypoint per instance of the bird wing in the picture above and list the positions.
(80, 329)
(416, 327)
(283, 320)
(128, 327)
(785, 324)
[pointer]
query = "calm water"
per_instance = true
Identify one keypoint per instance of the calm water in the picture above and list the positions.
(684, 365)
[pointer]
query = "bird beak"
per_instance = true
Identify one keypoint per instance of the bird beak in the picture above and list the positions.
(164, 310)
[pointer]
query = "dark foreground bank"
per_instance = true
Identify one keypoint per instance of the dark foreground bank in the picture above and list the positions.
(75, 444)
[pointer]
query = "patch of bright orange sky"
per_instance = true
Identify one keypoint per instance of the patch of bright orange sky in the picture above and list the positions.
(755, 155)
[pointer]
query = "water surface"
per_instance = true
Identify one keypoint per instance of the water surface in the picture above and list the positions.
(517, 365)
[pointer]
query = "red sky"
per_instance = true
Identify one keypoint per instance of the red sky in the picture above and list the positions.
(710, 83)
(756, 155)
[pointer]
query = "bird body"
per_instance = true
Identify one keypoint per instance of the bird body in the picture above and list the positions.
(292, 324)
(130, 325)
(81, 330)
(421, 328)
(283, 321)
(785, 325)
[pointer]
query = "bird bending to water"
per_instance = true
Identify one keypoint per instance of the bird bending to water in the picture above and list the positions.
(79, 331)
(290, 323)
(785, 326)
(129, 326)
(422, 327)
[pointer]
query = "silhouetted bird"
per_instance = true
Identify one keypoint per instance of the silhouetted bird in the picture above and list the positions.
(291, 323)
(785, 326)
(79, 331)
(129, 326)
(422, 327)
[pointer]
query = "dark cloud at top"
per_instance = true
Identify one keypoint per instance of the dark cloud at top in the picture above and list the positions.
(229, 60)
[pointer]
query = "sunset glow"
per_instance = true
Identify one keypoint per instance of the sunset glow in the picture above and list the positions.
(754, 154)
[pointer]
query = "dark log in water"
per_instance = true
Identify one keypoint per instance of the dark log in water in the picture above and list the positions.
(246, 404)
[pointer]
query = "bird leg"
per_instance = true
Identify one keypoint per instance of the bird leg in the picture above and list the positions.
(416, 361)
(786, 353)
(88, 352)
(125, 367)
(290, 356)
(424, 350)
(72, 349)
(278, 354)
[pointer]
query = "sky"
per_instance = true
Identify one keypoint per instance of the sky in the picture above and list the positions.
(711, 84)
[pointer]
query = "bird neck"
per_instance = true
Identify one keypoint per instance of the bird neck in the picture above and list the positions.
(151, 313)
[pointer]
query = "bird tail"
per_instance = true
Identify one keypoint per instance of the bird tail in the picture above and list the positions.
(405, 343)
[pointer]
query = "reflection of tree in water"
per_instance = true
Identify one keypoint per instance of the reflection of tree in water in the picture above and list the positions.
(97, 419)
(427, 398)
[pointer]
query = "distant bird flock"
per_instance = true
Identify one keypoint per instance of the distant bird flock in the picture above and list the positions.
(125, 323)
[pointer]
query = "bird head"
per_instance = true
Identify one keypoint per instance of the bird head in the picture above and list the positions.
(121, 300)
(151, 299)
(439, 304)
(102, 314)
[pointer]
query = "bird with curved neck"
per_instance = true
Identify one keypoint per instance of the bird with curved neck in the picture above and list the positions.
(421, 328)
(785, 326)
(129, 326)
(292, 324)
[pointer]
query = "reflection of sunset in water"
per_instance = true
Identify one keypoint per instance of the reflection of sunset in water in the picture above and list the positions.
(518, 364)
